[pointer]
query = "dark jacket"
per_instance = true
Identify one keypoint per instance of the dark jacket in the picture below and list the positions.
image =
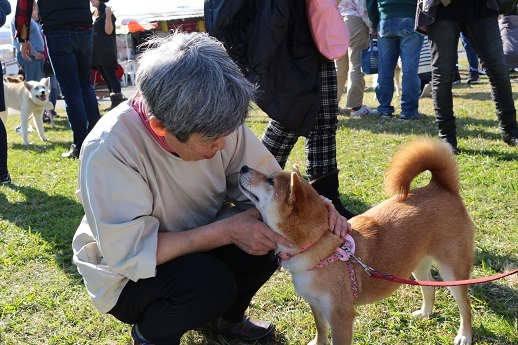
(60, 14)
(5, 9)
(105, 47)
(271, 41)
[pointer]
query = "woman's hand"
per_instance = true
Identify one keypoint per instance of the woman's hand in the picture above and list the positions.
(253, 236)
(337, 223)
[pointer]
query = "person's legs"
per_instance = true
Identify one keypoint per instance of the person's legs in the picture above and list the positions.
(471, 55)
(342, 71)
(410, 50)
(388, 53)
(54, 88)
(110, 76)
(4, 172)
(484, 35)
(359, 41)
(84, 61)
(70, 53)
(320, 149)
(191, 291)
(279, 141)
(443, 36)
(62, 46)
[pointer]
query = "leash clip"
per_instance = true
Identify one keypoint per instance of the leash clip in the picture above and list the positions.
(369, 270)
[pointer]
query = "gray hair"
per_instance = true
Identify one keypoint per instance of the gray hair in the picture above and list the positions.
(191, 85)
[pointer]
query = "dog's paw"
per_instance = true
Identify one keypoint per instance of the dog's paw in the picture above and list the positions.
(421, 314)
(462, 340)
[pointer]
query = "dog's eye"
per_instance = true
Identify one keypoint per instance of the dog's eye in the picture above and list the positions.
(270, 181)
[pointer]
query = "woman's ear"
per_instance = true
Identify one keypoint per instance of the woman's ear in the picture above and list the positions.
(157, 126)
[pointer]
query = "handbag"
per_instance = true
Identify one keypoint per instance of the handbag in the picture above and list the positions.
(329, 31)
(369, 58)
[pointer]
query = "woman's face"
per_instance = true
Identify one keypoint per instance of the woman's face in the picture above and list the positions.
(95, 3)
(197, 147)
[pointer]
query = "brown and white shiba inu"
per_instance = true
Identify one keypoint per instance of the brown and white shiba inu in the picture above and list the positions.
(403, 235)
(29, 98)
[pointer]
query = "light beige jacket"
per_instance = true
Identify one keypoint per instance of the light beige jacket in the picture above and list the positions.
(131, 188)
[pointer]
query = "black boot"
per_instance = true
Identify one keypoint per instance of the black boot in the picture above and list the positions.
(448, 133)
(509, 129)
(327, 185)
(116, 99)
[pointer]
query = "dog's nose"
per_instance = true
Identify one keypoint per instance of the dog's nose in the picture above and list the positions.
(245, 169)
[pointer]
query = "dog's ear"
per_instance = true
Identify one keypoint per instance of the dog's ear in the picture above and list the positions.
(46, 82)
(296, 170)
(28, 86)
(296, 189)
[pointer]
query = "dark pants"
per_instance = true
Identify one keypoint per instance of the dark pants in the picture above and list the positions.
(484, 36)
(109, 75)
(3, 135)
(70, 52)
(192, 290)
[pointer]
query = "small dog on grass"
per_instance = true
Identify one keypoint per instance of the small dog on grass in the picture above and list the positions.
(403, 235)
(30, 98)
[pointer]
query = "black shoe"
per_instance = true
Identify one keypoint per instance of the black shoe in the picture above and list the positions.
(510, 138)
(6, 179)
(247, 330)
(73, 153)
(46, 118)
(473, 78)
(386, 115)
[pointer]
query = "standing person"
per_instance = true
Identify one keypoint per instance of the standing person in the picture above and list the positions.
(297, 85)
(32, 68)
(169, 243)
(5, 177)
(104, 57)
(393, 23)
(67, 26)
(357, 20)
(478, 19)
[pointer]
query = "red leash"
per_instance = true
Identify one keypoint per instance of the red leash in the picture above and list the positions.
(375, 274)
(395, 279)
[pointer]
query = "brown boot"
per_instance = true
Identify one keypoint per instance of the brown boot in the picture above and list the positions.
(247, 330)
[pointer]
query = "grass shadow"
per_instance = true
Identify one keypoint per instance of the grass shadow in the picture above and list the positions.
(55, 218)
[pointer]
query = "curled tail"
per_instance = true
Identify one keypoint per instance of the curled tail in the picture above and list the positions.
(416, 157)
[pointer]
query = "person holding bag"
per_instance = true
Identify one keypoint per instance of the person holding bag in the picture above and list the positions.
(268, 38)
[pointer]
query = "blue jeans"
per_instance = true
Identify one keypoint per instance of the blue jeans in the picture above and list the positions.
(484, 36)
(470, 53)
(397, 38)
(33, 69)
(70, 52)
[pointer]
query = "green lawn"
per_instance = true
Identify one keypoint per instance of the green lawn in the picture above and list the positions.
(43, 300)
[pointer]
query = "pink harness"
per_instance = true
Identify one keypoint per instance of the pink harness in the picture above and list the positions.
(342, 253)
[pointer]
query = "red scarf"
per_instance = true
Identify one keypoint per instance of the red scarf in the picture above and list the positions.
(141, 111)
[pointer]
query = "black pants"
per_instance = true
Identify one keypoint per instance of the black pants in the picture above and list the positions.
(109, 75)
(192, 290)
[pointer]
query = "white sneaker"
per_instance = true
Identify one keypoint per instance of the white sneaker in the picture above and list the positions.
(364, 110)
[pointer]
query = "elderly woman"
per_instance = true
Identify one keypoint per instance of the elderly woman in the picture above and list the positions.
(168, 242)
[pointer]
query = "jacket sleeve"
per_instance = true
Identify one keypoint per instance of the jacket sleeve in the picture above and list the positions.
(374, 15)
(121, 224)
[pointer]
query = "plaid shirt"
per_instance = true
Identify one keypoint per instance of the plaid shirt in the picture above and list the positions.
(23, 16)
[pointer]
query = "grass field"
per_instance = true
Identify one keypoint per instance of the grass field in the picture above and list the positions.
(43, 300)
